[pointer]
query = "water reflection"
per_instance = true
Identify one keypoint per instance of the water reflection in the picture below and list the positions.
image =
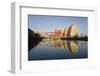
(57, 49)
(33, 43)
(72, 46)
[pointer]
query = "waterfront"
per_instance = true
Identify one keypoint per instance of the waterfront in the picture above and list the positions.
(57, 37)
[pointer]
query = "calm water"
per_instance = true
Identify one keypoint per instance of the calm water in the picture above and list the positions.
(58, 49)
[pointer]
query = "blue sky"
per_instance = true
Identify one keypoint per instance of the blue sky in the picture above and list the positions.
(44, 23)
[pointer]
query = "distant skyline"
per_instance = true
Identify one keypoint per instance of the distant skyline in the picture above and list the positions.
(47, 23)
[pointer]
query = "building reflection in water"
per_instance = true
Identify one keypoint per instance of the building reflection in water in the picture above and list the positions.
(71, 46)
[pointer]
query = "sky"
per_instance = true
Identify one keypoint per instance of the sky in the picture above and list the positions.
(47, 23)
